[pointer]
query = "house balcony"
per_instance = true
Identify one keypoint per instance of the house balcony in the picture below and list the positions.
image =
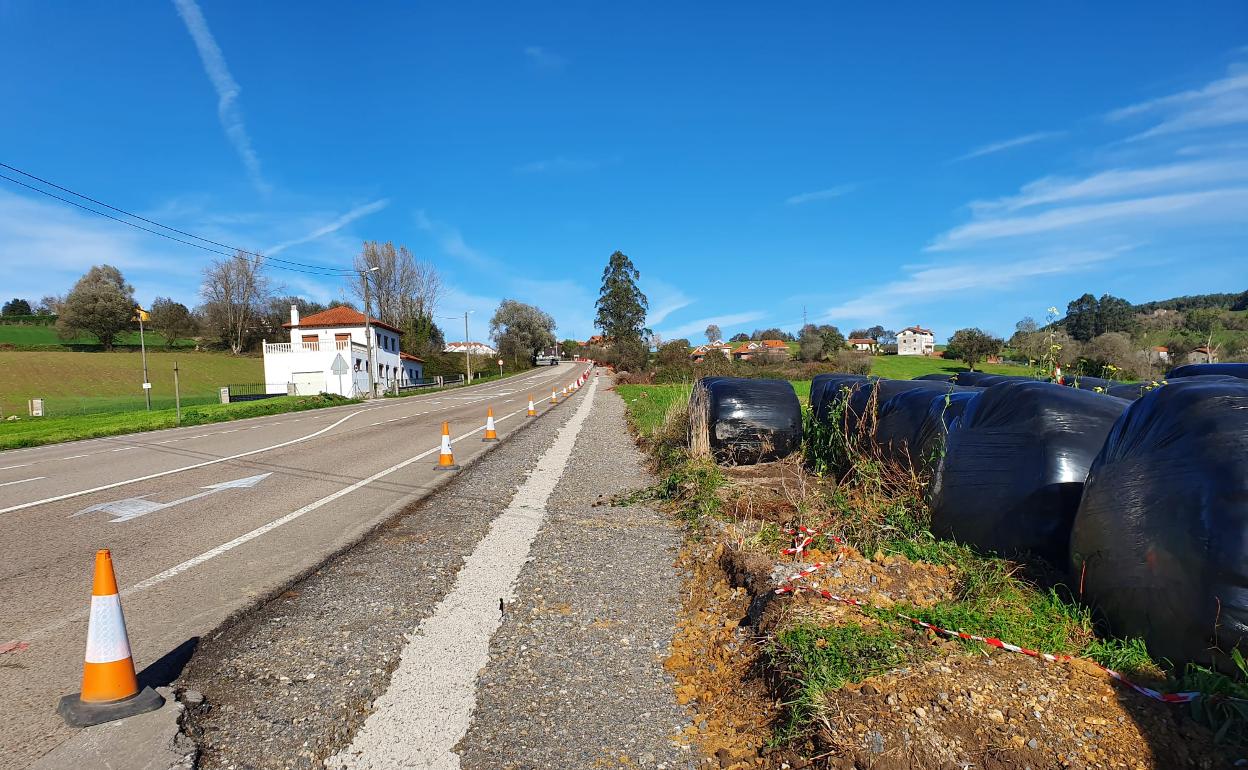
(279, 348)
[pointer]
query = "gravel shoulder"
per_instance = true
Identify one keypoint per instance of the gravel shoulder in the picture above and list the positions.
(576, 677)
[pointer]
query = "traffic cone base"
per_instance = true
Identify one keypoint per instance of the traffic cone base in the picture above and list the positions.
(446, 459)
(79, 713)
(110, 689)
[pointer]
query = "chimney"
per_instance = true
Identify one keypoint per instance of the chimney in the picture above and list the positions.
(294, 321)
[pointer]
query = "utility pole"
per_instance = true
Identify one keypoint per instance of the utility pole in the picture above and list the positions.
(147, 385)
(803, 316)
(177, 393)
(368, 334)
(467, 356)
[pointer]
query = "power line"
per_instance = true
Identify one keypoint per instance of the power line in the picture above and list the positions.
(285, 264)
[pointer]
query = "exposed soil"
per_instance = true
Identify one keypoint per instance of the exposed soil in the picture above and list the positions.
(953, 705)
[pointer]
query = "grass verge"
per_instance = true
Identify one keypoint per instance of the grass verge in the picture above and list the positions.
(53, 430)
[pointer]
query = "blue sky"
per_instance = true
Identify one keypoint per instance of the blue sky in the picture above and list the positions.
(952, 164)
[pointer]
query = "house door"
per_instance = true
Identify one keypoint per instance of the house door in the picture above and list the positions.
(308, 383)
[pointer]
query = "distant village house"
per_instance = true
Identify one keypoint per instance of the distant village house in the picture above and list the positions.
(916, 341)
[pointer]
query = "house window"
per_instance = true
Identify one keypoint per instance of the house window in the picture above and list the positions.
(311, 342)
(341, 341)
(358, 364)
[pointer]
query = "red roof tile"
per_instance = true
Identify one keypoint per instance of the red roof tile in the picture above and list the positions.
(338, 316)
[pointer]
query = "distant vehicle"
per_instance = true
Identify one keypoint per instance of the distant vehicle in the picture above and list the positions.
(546, 360)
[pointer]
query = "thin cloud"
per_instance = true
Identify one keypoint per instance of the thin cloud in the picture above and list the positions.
(694, 328)
(331, 227)
(544, 59)
(452, 242)
(558, 165)
(820, 195)
(938, 282)
(1117, 182)
(665, 299)
(1217, 104)
(1180, 208)
(1009, 144)
(227, 88)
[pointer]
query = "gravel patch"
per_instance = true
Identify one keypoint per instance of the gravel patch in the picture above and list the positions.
(576, 676)
(288, 685)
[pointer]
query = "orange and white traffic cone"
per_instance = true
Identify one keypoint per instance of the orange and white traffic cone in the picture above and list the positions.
(446, 460)
(532, 411)
(490, 433)
(554, 396)
(110, 689)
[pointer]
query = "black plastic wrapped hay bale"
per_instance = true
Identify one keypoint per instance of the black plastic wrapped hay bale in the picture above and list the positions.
(864, 402)
(1088, 383)
(1239, 371)
(942, 416)
(972, 378)
(744, 421)
(1160, 543)
(938, 377)
(1014, 467)
(902, 417)
(827, 389)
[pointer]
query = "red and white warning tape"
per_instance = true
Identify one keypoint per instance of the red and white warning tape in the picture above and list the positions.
(802, 538)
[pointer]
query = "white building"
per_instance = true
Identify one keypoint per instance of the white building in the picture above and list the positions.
(306, 364)
(475, 348)
(916, 341)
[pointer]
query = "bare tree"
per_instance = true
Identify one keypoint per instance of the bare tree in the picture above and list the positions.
(234, 292)
(403, 291)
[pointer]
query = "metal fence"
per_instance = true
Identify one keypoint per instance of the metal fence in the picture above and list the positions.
(254, 391)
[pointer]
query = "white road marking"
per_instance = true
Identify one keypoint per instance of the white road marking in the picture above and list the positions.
(428, 705)
(134, 507)
(252, 535)
(11, 467)
(168, 441)
(75, 457)
(204, 464)
(22, 481)
(122, 449)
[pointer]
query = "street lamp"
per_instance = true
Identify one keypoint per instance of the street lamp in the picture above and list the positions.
(368, 333)
(467, 356)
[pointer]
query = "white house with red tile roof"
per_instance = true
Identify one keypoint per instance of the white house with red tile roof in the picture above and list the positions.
(305, 365)
(861, 343)
(474, 348)
(916, 341)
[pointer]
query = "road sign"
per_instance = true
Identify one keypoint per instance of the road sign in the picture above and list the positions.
(134, 507)
(147, 386)
(340, 365)
(36, 407)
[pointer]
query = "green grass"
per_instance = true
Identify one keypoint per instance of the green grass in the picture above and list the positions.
(909, 367)
(81, 383)
(814, 659)
(35, 431)
(648, 404)
(23, 335)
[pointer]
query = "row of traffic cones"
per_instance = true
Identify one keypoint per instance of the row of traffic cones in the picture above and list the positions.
(110, 686)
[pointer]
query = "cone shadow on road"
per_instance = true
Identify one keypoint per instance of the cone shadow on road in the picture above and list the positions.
(165, 670)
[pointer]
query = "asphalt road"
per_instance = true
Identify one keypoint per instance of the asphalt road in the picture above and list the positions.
(203, 522)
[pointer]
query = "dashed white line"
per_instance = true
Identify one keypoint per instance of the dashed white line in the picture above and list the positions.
(75, 457)
(11, 467)
(122, 449)
(21, 481)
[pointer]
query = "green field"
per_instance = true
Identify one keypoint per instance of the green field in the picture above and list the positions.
(35, 431)
(82, 382)
(24, 335)
(909, 367)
